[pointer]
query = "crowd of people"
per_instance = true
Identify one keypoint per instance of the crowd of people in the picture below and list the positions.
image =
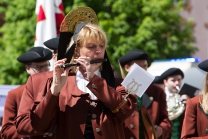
(87, 101)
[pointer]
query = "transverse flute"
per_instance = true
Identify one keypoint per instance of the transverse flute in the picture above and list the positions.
(77, 64)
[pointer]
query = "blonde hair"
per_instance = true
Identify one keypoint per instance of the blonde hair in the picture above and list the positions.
(89, 31)
(204, 100)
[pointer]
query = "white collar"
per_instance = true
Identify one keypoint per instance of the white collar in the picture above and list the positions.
(168, 93)
(82, 83)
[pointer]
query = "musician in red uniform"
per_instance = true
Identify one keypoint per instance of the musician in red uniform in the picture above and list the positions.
(36, 60)
(153, 101)
(81, 102)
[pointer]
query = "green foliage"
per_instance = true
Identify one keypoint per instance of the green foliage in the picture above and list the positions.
(18, 37)
(154, 26)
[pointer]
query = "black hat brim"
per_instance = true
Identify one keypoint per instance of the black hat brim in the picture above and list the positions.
(35, 54)
(52, 43)
(133, 55)
(171, 72)
(204, 65)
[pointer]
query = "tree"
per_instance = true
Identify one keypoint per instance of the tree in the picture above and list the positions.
(18, 33)
(153, 26)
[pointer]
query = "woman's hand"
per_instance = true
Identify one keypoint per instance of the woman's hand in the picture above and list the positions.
(59, 77)
(87, 69)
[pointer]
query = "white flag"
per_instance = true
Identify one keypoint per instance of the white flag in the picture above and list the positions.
(50, 14)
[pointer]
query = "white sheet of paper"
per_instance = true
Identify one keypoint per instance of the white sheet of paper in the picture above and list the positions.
(141, 76)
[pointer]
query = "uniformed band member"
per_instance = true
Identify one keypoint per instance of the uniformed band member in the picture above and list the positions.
(53, 45)
(195, 124)
(82, 102)
(138, 125)
(172, 79)
(36, 60)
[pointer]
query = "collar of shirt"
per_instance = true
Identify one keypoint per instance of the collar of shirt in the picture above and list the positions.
(82, 83)
(168, 93)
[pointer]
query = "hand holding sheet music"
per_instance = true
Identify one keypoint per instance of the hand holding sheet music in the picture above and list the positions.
(137, 80)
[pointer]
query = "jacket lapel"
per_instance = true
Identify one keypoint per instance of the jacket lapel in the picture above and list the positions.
(146, 101)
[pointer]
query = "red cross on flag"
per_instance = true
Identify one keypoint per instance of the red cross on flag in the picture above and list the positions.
(50, 14)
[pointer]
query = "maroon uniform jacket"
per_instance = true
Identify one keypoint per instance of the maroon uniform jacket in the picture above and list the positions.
(154, 100)
(195, 123)
(12, 103)
(11, 106)
(68, 111)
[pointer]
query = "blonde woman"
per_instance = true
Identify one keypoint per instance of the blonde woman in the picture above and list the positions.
(81, 103)
(195, 125)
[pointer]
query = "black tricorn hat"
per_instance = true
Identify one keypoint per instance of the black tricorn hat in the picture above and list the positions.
(133, 55)
(52, 43)
(204, 65)
(158, 80)
(35, 54)
(171, 72)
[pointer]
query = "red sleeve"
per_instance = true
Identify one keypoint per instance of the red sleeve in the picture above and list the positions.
(112, 97)
(37, 108)
(8, 130)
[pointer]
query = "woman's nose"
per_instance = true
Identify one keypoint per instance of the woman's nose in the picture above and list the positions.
(98, 50)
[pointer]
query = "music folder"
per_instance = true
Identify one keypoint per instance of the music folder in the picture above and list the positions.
(189, 90)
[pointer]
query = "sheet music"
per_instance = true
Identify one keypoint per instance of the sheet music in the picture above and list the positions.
(140, 76)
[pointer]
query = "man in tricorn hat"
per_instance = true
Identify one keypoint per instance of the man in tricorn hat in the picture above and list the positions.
(53, 44)
(153, 100)
(172, 79)
(81, 102)
(36, 60)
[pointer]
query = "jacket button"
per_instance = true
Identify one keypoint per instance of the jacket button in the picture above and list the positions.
(131, 137)
(46, 96)
(93, 86)
(131, 126)
(207, 130)
(97, 129)
(132, 114)
(92, 103)
(94, 116)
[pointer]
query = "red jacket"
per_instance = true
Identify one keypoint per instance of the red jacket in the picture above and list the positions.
(69, 110)
(195, 123)
(11, 106)
(155, 102)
